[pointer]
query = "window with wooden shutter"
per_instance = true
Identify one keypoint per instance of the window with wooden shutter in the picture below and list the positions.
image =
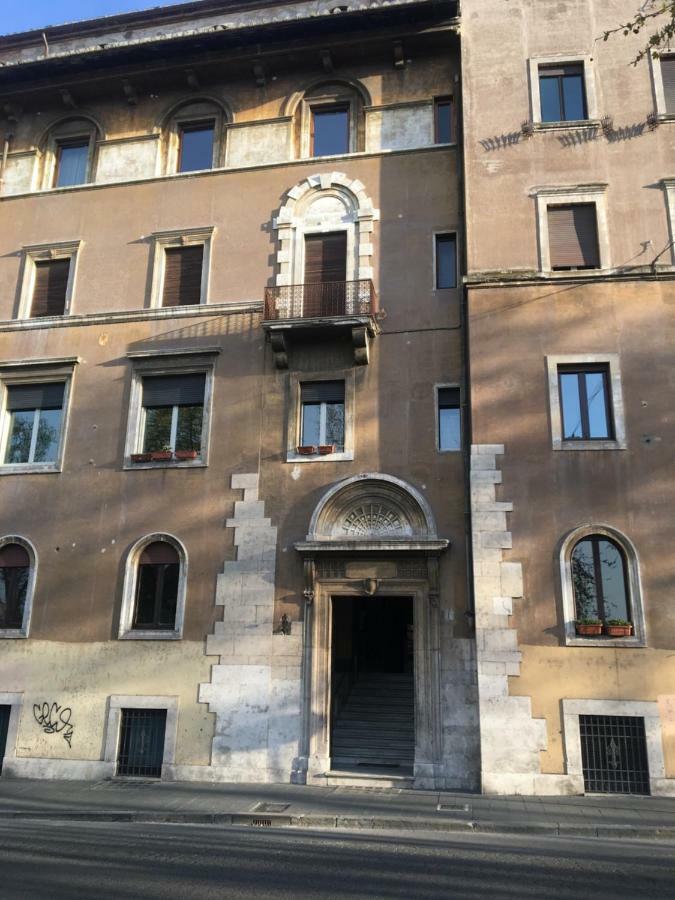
(668, 76)
(50, 288)
(325, 274)
(573, 236)
(183, 268)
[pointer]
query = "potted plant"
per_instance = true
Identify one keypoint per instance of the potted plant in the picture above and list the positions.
(141, 457)
(306, 450)
(161, 455)
(618, 628)
(186, 454)
(588, 626)
(325, 449)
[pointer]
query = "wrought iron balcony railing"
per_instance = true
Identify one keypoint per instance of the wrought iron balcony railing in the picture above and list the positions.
(330, 299)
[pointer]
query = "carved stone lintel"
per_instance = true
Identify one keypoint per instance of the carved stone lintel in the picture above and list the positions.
(278, 342)
(361, 344)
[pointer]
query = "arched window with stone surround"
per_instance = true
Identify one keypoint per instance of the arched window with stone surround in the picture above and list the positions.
(329, 118)
(69, 151)
(193, 135)
(153, 602)
(17, 584)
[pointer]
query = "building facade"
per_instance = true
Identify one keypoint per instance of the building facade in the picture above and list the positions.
(291, 486)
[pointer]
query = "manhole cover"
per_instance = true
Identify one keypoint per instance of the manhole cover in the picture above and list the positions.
(270, 807)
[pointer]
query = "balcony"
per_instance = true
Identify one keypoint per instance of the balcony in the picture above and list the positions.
(327, 307)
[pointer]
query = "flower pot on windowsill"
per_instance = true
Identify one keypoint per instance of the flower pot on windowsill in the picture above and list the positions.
(141, 457)
(186, 454)
(588, 629)
(306, 450)
(161, 455)
(622, 629)
(325, 449)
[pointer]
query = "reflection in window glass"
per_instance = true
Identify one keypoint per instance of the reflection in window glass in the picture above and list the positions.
(330, 131)
(584, 397)
(156, 596)
(72, 163)
(449, 419)
(443, 116)
(34, 436)
(599, 580)
(446, 261)
(13, 590)
(157, 428)
(196, 147)
(562, 94)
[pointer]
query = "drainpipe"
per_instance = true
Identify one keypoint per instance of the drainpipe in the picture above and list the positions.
(5, 151)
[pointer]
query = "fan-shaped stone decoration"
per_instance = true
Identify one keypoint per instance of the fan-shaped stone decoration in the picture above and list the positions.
(373, 519)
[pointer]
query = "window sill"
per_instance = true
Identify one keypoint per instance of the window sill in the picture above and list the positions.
(571, 125)
(590, 445)
(140, 635)
(345, 456)
(12, 634)
(30, 469)
(628, 642)
(169, 464)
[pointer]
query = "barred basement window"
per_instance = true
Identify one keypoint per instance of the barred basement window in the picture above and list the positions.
(141, 747)
(614, 754)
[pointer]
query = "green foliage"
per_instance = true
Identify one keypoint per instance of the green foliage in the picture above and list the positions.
(587, 620)
(659, 12)
(618, 622)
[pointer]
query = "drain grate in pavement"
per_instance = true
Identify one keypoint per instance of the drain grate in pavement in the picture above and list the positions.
(270, 808)
(117, 785)
(453, 807)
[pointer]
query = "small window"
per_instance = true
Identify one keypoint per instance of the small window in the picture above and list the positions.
(322, 415)
(14, 580)
(449, 419)
(330, 130)
(141, 748)
(50, 288)
(72, 162)
(562, 93)
(586, 403)
(668, 77)
(34, 414)
(573, 236)
(157, 588)
(173, 413)
(197, 141)
(183, 269)
(600, 580)
(443, 114)
(446, 261)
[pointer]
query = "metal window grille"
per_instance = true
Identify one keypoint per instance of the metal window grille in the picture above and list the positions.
(614, 754)
(4, 728)
(142, 742)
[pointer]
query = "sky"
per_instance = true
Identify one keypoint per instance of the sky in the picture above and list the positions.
(27, 14)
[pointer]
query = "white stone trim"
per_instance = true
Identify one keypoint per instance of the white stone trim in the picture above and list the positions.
(186, 237)
(117, 703)
(649, 711)
(669, 188)
(657, 82)
(612, 360)
(126, 630)
(639, 636)
(295, 383)
(560, 195)
(24, 631)
(561, 59)
(15, 701)
(43, 252)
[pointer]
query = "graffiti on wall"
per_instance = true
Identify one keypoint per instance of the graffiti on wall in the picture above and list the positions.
(54, 719)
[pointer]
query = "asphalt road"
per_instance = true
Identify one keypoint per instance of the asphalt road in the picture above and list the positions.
(57, 860)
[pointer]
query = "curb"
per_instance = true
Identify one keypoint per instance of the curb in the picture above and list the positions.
(365, 823)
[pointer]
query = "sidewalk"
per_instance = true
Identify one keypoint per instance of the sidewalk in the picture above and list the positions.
(337, 807)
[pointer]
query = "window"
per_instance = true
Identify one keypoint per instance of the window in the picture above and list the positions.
(562, 93)
(157, 587)
(573, 236)
(14, 581)
(585, 403)
(173, 413)
(446, 261)
(183, 268)
(324, 293)
(72, 162)
(48, 280)
(33, 423)
(141, 747)
(443, 114)
(668, 79)
(330, 130)
(322, 423)
(51, 287)
(197, 141)
(599, 580)
(449, 419)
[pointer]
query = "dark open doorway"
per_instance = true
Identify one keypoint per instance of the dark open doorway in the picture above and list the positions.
(372, 702)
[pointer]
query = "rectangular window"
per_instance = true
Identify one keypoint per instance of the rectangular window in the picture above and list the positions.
(443, 108)
(562, 93)
(141, 749)
(446, 261)
(573, 236)
(183, 267)
(196, 146)
(50, 288)
(35, 414)
(322, 414)
(173, 407)
(449, 419)
(668, 78)
(330, 130)
(72, 162)
(585, 402)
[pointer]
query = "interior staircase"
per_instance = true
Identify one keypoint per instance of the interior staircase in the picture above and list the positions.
(375, 727)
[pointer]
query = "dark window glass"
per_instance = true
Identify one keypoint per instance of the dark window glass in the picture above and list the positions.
(14, 574)
(72, 162)
(443, 120)
(157, 587)
(323, 414)
(174, 412)
(196, 147)
(446, 261)
(141, 749)
(330, 130)
(34, 430)
(449, 419)
(599, 580)
(585, 403)
(562, 93)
